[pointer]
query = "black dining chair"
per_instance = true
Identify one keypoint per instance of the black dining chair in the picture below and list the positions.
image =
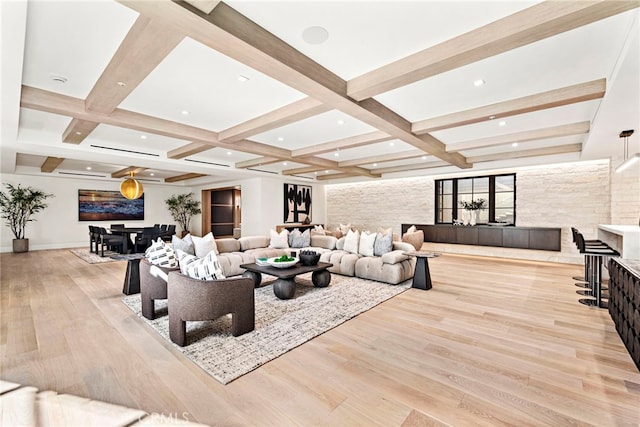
(144, 239)
(112, 241)
(94, 238)
(168, 233)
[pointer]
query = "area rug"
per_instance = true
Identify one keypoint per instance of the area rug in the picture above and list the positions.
(281, 325)
(92, 258)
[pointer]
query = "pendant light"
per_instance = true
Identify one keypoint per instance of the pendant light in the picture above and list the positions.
(131, 188)
(628, 161)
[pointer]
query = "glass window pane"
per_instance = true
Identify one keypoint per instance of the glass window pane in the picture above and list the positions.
(465, 186)
(446, 215)
(504, 183)
(483, 216)
(483, 196)
(504, 200)
(447, 202)
(465, 198)
(481, 185)
(504, 215)
(447, 186)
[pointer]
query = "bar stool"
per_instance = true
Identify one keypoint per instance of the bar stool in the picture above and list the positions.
(584, 281)
(593, 262)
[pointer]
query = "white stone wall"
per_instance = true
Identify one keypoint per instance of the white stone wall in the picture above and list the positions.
(625, 194)
(565, 195)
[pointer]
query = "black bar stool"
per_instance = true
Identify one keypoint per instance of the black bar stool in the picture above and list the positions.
(593, 262)
(584, 281)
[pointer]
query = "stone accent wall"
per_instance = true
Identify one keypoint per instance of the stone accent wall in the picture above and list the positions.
(566, 195)
(625, 194)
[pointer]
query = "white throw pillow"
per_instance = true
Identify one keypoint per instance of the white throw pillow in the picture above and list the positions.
(351, 241)
(344, 229)
(185, 244)
(206, 268)
(279, 240)
(367, 240)
(159, 253)
(412, 229)
(319, 229)
(203, 245)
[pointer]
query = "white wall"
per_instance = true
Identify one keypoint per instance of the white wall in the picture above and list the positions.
(625, 194)
(563, 195)
(58, 225)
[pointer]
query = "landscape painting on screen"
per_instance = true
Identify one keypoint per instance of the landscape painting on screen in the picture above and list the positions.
(104, 205)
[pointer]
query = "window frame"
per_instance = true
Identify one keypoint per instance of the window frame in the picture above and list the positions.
(455, 197)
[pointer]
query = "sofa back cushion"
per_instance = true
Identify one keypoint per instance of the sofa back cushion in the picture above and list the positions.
(205, 244)
(253, 242)
(325, 242)
(227, 245)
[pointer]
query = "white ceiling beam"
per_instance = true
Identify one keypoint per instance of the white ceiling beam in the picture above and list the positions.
(342, 144)
(535, 23)
(540, 101)
(530, 135)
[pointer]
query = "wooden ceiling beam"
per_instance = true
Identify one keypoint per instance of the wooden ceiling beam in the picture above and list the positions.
(530, 135)
(403, 155)
(411, 167)
(42, 100)
(536, 152)
(51, 164)
(77, 130)
(234, 35)
(540, 101)
(260, 161)
(535, 23)
(343, 144)
(294, 112)
(299, 171)
(146, 44)
(328, 176)
(188, 150)
(330, 164)
(184, 177)
(126, 171)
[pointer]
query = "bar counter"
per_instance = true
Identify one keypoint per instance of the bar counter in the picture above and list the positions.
(623, 238)
(624, 303)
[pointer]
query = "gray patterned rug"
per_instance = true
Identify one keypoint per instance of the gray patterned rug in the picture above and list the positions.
(109, 256)
(281, 325)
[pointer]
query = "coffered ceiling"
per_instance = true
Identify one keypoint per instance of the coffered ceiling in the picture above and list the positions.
(205, 91)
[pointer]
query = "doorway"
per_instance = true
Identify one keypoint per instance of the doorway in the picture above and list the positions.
(221, 212)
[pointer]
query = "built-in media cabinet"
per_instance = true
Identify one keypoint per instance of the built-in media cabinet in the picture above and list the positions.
(539, 238)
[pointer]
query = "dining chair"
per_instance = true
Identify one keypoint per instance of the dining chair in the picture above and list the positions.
(110, 240)
(143, 240)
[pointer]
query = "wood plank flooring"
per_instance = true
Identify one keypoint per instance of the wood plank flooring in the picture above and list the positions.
(495, 342)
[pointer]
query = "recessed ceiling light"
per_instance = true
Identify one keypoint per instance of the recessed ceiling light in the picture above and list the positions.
(478, 83)
(502, 123)
(284, 163)
(340, 122)
(424, 157)
(336, 154)
(280, 139)
(185, 112)
(315, 35)
(78, 133)
(143, 136)
(315, 173)
(228, 153)
(515, 144)
(88, 168)
(375, 165)
(492, 117)
(152, 174)
(121, 84)
(58, 78)
(243, 78)
(391, 144)
(326, 171)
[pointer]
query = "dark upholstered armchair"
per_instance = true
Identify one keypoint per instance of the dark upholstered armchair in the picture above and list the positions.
(193, 299)
(151, 288)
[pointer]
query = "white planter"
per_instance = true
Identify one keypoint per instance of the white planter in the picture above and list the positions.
(473, 216)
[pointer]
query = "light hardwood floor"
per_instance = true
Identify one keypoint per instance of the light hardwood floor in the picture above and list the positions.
(495, 342)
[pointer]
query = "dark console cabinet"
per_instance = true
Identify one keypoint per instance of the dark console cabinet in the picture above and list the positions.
(540, 238)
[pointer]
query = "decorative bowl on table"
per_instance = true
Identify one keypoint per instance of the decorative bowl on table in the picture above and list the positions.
(282, 262)
(309, 257)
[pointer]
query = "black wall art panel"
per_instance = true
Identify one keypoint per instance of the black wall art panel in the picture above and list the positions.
(297, 203)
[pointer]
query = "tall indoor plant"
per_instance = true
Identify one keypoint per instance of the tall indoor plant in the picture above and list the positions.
(182, 208)
(18, 205)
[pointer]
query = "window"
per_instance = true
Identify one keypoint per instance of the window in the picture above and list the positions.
(499, 192)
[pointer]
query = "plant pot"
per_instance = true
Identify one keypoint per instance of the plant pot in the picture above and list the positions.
(20, 245)
(184, 233)
(473, 217)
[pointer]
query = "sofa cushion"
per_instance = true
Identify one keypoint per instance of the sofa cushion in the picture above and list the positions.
(416, 239)
(374, 268)
(206, 268)
(326, 242)
(185, 244)
(298, 239)
(318, 230)
(253, 242)
(394, 257)
(205, 244)
(365, 246)
(279, 240)
(230, 263)
(351, 241)
(383, 244)
(162, 254)
(227, 245)
(343, 262)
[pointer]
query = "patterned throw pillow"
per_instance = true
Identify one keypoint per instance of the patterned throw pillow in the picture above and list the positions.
(299, 239)
(279, 240)
(367, 241)
(383, 244)
(207, 268)
(159, 253)
(205, 244)
(351, 241)
(185, 244)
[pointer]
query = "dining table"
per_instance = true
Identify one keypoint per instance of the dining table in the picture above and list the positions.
(126, 232)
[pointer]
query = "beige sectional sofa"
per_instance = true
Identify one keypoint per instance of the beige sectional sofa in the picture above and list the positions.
(393, 267)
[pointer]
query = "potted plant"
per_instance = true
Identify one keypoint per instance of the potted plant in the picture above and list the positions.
(182, 208)
(472, 207)
(18, 206)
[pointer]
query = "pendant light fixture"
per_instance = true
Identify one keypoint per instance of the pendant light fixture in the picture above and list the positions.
(131, 188)
(628, 161)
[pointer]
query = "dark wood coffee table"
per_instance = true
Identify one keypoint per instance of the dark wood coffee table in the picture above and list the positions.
(285, 286)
